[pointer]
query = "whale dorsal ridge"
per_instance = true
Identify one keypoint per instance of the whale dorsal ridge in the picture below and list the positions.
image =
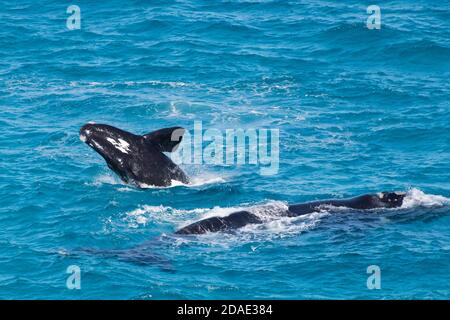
(167, 139)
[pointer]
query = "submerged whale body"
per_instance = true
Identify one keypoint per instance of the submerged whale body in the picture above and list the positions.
(137, 159)
(242, 218)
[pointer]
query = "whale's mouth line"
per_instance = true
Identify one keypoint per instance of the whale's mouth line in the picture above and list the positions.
(97, 146)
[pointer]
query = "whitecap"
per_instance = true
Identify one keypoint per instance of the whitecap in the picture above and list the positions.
(143, 214)
(106, 179)
(417, 198)
(195, 182)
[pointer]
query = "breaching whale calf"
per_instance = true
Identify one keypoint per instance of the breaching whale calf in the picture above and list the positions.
(137, 159)
(242, 218)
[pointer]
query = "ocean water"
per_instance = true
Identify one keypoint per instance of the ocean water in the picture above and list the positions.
(358, 111)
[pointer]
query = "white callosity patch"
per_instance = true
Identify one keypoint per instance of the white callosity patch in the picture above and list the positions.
(120, 145)
(83, 136)
(399, 193)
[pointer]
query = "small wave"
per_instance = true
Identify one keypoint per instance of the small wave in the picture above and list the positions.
(195, 182)
(145, 213)
(106, 179)
(151, 83)
(126, 189)
(287, 226)
(207, 179)
(269, 211)
(114, 180)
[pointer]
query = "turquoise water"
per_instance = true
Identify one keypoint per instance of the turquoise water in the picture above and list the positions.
(358, 111)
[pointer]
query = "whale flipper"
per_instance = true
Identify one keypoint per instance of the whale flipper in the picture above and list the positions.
(167, 139)
(135, 158)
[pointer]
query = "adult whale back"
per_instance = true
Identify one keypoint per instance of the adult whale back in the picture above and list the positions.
(137, 159)
(240, 219)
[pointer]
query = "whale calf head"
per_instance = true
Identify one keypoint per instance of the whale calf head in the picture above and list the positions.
(135, 158)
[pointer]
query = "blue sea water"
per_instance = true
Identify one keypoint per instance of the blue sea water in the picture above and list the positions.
(358, 111)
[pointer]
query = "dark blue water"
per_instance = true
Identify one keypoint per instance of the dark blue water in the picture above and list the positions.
(358, 111)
